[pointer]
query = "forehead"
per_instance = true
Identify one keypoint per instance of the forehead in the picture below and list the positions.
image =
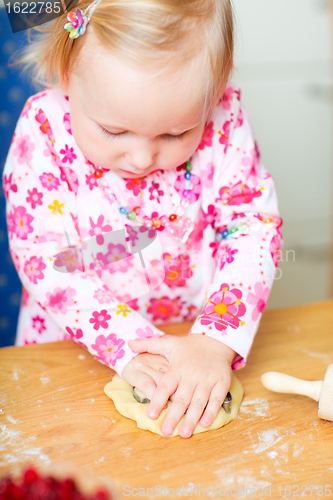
(115, 91)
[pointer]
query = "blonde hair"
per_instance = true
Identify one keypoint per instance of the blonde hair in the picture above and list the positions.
(139, 30)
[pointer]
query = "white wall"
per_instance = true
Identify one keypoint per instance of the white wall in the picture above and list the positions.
(283, 66)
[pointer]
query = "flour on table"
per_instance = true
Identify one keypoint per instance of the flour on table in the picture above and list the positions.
(45, 380)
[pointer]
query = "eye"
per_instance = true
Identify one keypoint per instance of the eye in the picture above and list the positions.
(106, 133)
(178, 137)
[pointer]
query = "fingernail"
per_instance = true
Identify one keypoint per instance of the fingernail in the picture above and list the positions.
(152, 414)
(205, 421)
(168, 430)
(186, 431)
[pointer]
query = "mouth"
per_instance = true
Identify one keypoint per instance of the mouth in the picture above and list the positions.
(140, 174)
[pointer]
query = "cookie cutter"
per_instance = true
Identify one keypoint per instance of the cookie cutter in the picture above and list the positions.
(226, 405)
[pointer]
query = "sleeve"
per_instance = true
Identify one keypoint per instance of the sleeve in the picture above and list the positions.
(248, 238)
(41, 211)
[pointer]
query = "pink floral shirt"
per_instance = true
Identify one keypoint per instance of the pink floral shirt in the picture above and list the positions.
(78, 258)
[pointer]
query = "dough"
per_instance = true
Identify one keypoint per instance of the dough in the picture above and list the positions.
(121, 394)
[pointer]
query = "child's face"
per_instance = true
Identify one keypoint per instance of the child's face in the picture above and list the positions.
(127, 119)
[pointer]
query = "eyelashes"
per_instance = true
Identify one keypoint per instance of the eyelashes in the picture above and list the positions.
(106, 133)
(168, 137)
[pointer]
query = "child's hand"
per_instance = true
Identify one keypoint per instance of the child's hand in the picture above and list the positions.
(145, 371)
(199, 376)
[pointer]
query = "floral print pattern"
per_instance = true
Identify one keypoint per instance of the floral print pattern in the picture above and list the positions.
(258, 299)
(109, 348)
(80, 285)
(224, 308)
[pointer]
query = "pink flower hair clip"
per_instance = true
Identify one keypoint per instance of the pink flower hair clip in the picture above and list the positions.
(77, 23)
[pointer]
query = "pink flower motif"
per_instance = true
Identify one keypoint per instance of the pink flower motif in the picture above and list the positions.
(164, 308)
(76, 336)
(177, 271)
(151, 230)
(224, 309)
(252, 162)
(45, 125)
(224, 139)
(227, 98)
(91, 181)
(155, 193)
(226, 254)
(67, 123)
(25, 296)
(146, 333)
(98, 228)
(71, 259)
(238, 215)
(33, 269)
(214, 245)
(134, 202)
(207, 175)
(27, 341)
(69, 154)
(15, 260)
(38, 324)
(238, 363)
(195, 192)
(132, 235)
(109, 348)
(240, 119)
(117, 258)
(274, 248)
(49, 181)
(238, 194)
(60, 299)
(209, 217)
(191, 313)
(103, 296)
(7, 185)
(126, 299)
(50, 151)
(35, 198)
(207, 136)
(19, 222)
(258, 299)
(100, 319)
(68, 175)
(23, 149)
(29, 102)
(136, 185)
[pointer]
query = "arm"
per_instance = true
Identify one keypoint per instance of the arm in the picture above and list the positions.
(248, 237)
(51, 256)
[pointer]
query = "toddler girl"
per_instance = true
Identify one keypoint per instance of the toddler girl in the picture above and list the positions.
(136, 197)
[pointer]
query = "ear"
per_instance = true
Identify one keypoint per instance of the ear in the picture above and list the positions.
(65, 83)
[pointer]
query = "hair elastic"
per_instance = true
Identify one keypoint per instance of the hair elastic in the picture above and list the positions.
(78, 22)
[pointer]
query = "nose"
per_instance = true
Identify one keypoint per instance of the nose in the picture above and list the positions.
(142, 156)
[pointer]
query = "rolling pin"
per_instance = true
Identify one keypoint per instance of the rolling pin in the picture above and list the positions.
(319, 390)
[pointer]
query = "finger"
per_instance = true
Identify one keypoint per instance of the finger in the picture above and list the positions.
(179, 406)
(166, 386)
(158, 345)
(215, 401)
(144, 382)
(195, 410)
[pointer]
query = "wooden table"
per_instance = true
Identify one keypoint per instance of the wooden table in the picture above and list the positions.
(53, 407)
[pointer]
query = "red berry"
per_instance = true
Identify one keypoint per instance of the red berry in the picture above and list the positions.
(66, 489)
(17, 492)
(100, 495)
(5, 485)
(30, 476)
